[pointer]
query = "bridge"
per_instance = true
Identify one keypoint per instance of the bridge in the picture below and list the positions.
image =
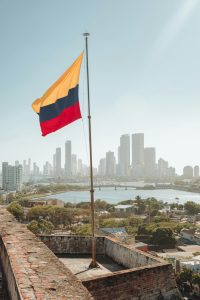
(114, 186)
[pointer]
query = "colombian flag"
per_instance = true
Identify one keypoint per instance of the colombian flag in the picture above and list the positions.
(59, 106)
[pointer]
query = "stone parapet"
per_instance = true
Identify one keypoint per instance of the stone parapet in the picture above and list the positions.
(32, 271)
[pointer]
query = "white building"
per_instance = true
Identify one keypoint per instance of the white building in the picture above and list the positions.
(124, 155)
(11, 177)
(58, 169)
(138, 155)
(110, 164)
(68, 159)
(149, 163)
(102, 167)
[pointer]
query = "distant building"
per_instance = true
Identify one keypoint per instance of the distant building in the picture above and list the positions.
(124, 155)
(74, 165)
(149, 163)
(80, 167)
(102, 167)
(191, 235)
(47, 169)
(58, 170)
(196, 171)
(110, 164)
(162, 169)
(53, 202)
(124, 208)
(188, 172)
(11, 177)
(68, 159)
(138, 155)
(36, 170)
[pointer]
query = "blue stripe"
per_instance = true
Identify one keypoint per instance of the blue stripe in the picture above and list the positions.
(53, 110)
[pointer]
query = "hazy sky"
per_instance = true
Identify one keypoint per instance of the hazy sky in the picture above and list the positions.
(144, 75)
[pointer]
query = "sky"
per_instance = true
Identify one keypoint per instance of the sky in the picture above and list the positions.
(144, 75)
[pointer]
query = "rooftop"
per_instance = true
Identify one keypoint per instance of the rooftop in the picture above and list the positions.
(79, 265)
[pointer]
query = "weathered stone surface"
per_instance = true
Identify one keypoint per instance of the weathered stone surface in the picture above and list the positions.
(146, 277)
(31, 269)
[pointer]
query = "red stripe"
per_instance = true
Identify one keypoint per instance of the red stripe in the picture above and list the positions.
(67, 116)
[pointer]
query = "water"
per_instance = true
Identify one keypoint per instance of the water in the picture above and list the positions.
(114, 196)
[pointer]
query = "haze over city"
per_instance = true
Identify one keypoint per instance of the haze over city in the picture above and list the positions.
(145, 79)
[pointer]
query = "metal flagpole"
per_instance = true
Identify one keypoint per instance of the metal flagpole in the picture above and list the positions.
(93, 263)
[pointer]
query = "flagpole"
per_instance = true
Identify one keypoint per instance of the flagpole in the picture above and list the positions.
(93, 263)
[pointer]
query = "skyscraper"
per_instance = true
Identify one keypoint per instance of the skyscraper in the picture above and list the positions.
(124, 155)
(110, 164)
(74, 165)
(58, 170)
(196, 171)
(149, 163)
(68, 159)
(102, 167)
(138, 155)
(188, 172)
(11, 177)
(162, 169)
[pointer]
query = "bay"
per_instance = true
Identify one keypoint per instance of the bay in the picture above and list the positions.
(113, 196)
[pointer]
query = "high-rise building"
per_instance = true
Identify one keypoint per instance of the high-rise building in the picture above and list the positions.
(196, 171)
(162, 169)
(124, 155)
(36, 170)
(138, 155)
(68, 159)
(16, 163)
(58, 169)
(149, 163)
(110, 164)
(102, 167)
(80, 167)
(11, 177)
(74, 164)
(188, 172)
(47, 169)
(29, 166)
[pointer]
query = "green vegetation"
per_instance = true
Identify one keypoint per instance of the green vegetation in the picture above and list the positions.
(16, 210)
(84, 229)
(40, 227)
(56, 215)
(163, 237)
(192, 208)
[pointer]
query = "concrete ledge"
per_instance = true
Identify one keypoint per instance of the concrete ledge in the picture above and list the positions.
(31, 269)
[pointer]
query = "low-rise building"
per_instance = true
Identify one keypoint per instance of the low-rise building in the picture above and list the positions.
(191, 235)
(124, 208)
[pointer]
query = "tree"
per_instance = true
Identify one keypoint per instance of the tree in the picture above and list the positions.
(192, 207)
(196, 279)
(82, 229)
(40, 226)
(141, 206)
(163, 236)
(185, 276)
(101, 204)
(16, 210)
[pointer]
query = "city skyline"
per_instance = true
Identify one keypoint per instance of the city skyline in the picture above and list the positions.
(131, 154)
(143, 80)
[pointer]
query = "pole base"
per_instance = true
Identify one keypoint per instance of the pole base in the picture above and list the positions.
(93, 265)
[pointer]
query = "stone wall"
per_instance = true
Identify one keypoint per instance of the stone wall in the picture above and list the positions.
(150, 283)
(32, 271)
(147, 277)
(126, 256)
(72, 244)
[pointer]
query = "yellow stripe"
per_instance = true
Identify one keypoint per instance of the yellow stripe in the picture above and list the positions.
(61, 87)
